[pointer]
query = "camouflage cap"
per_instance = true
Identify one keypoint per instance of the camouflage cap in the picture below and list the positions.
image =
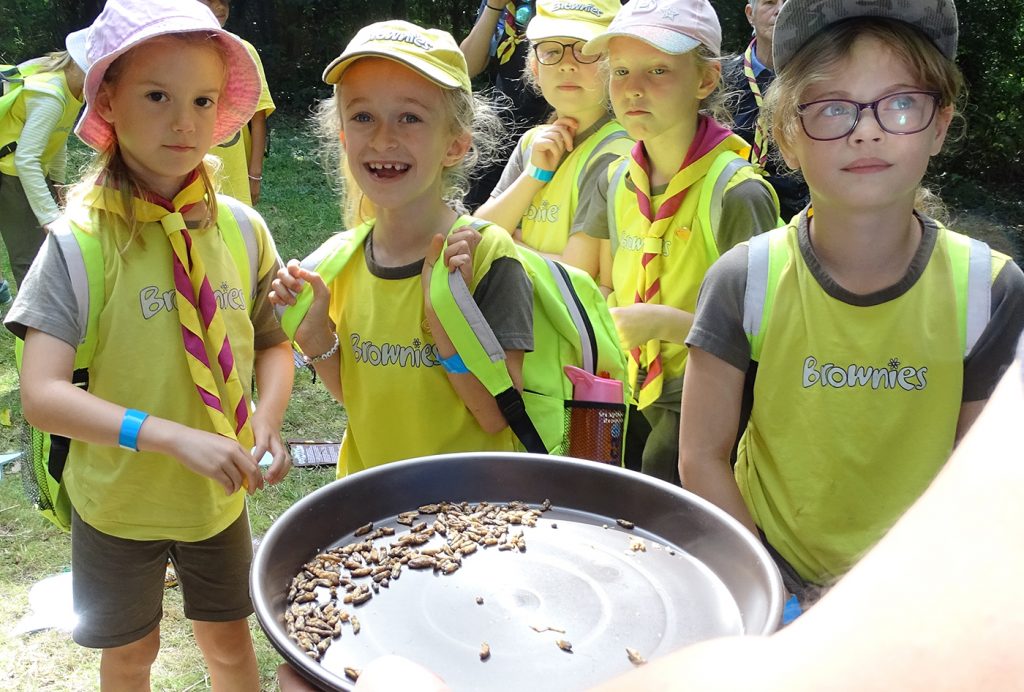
(800, 20)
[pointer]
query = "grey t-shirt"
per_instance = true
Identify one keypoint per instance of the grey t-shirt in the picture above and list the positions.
(748, 208)
(718, 322)
(504, 295)
(595, 172)
(46, 302)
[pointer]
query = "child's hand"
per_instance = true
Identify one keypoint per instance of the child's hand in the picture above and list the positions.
(639, 323)
(268, 439)
(458, 255)
(634, 324)
(315, 333)
(219, 458)
(462, 244)
(287, 285)
(551, 142)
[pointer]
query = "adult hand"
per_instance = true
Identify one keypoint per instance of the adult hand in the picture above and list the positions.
(551, 142)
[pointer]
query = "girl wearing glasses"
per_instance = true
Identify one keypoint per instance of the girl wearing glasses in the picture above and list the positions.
(556, 165)
(876, 334)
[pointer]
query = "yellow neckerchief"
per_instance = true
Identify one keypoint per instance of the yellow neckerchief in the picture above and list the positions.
(759, 148)
(201, 321)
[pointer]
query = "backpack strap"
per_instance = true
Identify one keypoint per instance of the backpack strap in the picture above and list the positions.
(83, 256)
(477, 344)
(615, 176)
(242, 243)
(328, 260)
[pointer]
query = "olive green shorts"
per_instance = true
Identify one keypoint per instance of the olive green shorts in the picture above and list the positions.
(118, 584)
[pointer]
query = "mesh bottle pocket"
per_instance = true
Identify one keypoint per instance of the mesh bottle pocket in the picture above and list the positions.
(594, 430)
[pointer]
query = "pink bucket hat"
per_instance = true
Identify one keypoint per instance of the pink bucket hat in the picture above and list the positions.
(124, 24)
(671, 26)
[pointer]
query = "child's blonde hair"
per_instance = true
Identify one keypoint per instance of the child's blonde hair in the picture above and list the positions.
(465, 113)
(57, 61)
(818, 60)
(109, 168)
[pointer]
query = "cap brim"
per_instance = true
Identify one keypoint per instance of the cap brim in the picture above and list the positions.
(659, 38)
(541, 28)
(334, 71)
(800, 20)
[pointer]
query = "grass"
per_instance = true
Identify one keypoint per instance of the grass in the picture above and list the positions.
(301, 212)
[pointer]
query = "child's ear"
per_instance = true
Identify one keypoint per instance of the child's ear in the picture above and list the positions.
(457, 151)
(710, 76)
(341, 138)
(102, 104)
(788, 154)
(943, 118)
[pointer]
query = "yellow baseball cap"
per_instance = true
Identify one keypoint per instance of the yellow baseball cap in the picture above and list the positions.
(431, 52)
(573, 19)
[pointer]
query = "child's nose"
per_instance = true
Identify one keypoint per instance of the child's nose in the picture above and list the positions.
(184, 119)
(867, 127)
(383, 137)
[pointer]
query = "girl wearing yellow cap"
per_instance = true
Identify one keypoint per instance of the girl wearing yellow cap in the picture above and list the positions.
(557, 165)
(370, 330)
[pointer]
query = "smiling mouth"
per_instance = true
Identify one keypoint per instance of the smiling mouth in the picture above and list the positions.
(389, 169)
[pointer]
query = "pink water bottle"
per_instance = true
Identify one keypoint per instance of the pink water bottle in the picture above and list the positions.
(595, 431)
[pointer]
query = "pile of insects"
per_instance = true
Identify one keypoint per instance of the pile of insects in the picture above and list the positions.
(354, 573)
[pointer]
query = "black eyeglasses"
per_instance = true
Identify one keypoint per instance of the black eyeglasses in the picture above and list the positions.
(905, 113)
(552, 52)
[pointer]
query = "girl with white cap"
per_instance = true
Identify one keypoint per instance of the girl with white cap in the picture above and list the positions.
(556, 165)
(369, 327)
(654, 206)
(164, 440)
(867, 334)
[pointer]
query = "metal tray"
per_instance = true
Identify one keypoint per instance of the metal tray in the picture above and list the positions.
(701, 576)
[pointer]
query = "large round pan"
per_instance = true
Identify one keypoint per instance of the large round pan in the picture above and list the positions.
(698, 575)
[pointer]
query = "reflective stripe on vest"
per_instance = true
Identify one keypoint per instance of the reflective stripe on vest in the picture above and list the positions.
(712, 192)
(970, 260)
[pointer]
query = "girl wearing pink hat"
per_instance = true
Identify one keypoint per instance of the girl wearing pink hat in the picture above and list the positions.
(164, 439)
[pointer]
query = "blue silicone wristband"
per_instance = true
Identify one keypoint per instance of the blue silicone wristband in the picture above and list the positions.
(539, 173)
(128, 438)
(454, 364)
